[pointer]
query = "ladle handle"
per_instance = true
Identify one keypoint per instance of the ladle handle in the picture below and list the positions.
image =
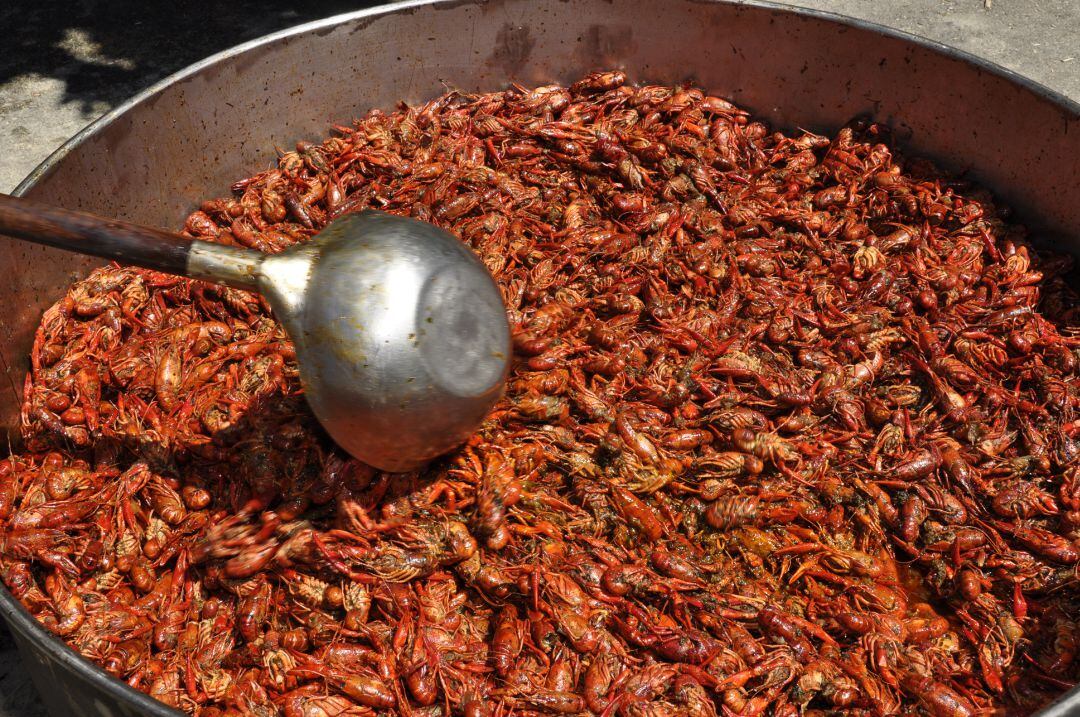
(127, 243)
(97, 236)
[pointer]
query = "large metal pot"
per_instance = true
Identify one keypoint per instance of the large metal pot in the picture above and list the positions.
(152, 159)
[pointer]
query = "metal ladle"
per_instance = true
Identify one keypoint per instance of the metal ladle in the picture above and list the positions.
(400, 331)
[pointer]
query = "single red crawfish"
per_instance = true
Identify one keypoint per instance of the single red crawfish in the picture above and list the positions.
(1069, 490)
(847, 561)
(961, 540)
(775, 661)
(635, 440)
(1023, 499)
(847, 409)
(250, 560)
(1008, 314)
(916, 466)
(969, 584)
(59, 514)
(685, 645)
(879, 596)
(350, 657)
(126, 657)
(540, 409)
(764, 445)
(951, 403)
(862, 623)
(252, 611)
(783, 391)
(772, 619)
(599, 677)
(423, 672)
(22, 584)
(645, 478)
(61, 483)
(573, 623)
(864, 372)
(927, 625)
(640, 515)
(544, 701)
(553, 382)
(727, 512)
(588, 402)
(603, 364)
(621, 580)
(165, 501)
(913, 513)
(691, 696)
(598, 82)
(957, 468)
(956, 372)
(942, 503)
(982, 352)
(506, 641)
(676, 567)
(825, 677)
(996, 396)
(1042, 542)
(726, 625)
(542, 631)
(498, 491)
(388, 561)
(728, 464)
(938, 699)
(67, 604)
(646, 683)
(312, 701)
(491, 580)
(561, 674)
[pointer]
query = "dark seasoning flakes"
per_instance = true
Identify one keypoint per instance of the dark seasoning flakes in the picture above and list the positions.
(791, 429)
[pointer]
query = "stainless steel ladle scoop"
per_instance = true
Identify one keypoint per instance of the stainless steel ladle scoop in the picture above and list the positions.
(400, 331)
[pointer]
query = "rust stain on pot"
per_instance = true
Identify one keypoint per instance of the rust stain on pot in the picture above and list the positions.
(606, 45)
(256, 55)
(513, 45)
(361, 24)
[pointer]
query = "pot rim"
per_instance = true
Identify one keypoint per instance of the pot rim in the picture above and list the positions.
(41, 170)
(28, 628)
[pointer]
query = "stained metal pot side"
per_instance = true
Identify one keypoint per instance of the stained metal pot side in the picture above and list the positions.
(187, 137)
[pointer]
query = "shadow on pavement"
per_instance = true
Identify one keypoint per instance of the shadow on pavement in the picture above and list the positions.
(106, 50)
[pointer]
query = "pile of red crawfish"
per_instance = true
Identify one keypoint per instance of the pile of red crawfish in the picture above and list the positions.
(792, 429)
